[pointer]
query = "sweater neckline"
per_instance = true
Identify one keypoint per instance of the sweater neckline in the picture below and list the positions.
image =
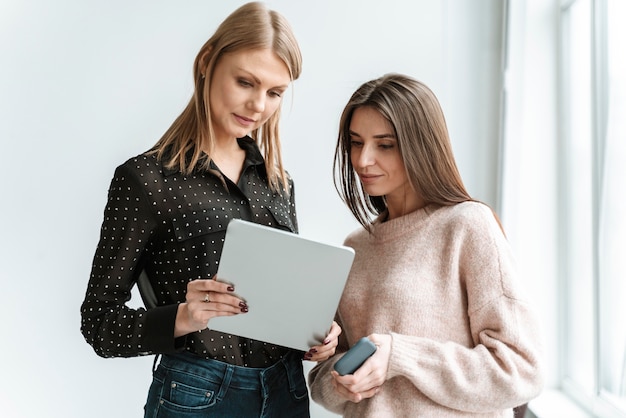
(396, 227)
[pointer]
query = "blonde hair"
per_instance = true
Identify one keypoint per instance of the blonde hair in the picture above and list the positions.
(252, 26)
(420, 128)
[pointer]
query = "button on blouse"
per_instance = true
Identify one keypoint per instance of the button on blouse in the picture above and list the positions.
(173, 226)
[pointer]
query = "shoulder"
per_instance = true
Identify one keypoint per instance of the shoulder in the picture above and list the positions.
(470, 222)
(145, 165)
(142, 171)
(467, 215)
(145, 161)
(356, 236)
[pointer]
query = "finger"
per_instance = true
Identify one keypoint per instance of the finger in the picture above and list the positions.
(352, 383)
(314, 355)
(345, 380)
(356, 382)
(327, 348)
(217, 299)
(366, 378)
(346, 393)
(332, 338)
(335, 331)
(369, 393)
(234, 306)
(205, 310)
(321, 353)
(208, 291)
(200, 313)
(210, 285)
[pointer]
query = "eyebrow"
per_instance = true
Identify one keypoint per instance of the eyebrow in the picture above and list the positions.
(379, 136)
(258, 81)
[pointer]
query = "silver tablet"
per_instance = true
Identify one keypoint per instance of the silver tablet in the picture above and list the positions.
(292, 284)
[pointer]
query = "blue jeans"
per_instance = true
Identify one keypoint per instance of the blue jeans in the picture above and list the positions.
(187, 386)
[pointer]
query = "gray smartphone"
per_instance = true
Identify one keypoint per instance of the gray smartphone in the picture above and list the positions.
(355, 356)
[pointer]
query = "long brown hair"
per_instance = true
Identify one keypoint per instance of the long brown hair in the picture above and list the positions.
(251, 26)
(419, 125)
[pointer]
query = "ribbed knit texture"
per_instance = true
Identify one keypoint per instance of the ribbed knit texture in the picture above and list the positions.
(465, 341)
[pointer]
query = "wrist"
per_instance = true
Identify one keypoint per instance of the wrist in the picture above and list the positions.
(182, 325)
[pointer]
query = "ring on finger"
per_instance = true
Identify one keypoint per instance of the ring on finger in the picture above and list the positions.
(206, 297)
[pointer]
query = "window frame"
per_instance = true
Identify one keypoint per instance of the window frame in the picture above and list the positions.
(597, 402)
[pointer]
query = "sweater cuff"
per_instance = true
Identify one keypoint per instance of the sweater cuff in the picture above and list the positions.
(160, 322)
(393, 368)
(404, 355)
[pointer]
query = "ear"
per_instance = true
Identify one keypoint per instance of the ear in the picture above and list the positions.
(203, 60)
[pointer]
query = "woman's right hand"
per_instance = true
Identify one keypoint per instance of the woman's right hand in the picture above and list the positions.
(368, 379)
(206, 299)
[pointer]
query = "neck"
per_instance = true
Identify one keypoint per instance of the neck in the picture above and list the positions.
(229, 158)
(405, 204)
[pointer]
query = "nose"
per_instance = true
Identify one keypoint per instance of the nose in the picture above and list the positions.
(257, 101)
(363, 156)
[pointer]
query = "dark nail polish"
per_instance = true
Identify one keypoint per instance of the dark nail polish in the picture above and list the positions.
(231, 288)
(326, 341)
(313, 351)
(308, 356)
(243, 305)
(244, 309)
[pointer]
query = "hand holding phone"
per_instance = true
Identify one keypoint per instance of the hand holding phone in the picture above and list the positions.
(355, 356)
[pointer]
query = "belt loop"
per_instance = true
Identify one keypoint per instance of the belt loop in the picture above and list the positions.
(154, 364)
(287, 361)
(228, 374)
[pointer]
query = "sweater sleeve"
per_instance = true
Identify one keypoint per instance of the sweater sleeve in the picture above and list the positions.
(108, 324)
(500, 372)
(502, 368)
(320, 379)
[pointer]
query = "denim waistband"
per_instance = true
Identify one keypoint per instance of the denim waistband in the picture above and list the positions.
(237, 376)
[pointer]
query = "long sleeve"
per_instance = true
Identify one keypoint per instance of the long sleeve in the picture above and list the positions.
(500, 372)
(108, 324)
(319, 379)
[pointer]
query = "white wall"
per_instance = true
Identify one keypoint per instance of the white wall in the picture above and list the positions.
(84, 85)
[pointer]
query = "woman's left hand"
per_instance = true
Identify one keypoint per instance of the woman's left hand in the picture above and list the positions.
(327, 348)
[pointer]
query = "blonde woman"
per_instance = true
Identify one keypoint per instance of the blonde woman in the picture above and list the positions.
(166, 215)
(433, 284)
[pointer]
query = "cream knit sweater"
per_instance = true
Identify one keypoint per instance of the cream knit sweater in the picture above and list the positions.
(465, 341)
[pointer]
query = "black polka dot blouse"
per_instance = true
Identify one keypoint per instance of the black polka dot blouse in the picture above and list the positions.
(173, 227)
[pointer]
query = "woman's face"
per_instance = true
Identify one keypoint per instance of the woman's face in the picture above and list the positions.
(246, 89)
(376, 157)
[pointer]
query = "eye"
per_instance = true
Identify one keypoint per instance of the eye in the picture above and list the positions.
(243, 82)
(356, 143)
(275, 93)
(387, 146)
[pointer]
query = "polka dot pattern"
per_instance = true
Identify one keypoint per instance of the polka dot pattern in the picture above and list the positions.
(173, 226)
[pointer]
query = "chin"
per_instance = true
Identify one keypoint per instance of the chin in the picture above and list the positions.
(374, 193)
(240, 134)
